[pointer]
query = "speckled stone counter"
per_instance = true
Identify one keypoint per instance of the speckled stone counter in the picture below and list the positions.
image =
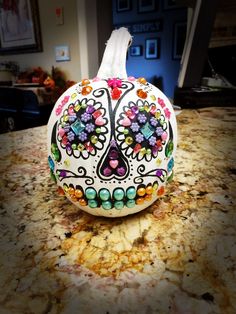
(178, 256)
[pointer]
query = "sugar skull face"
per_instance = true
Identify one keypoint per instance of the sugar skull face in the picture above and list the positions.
(111, 145)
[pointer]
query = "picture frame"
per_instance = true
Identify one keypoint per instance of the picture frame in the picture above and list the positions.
(20, 27)
(145, 6)
(136, 51)
(171, 4)
(62, 53)
(179, 36)
(152, 48)
(123, 5)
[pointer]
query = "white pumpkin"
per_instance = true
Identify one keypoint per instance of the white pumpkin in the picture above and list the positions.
(112, 139)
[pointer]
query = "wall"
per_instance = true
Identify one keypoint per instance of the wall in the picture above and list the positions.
(53, 35)
(165, 69)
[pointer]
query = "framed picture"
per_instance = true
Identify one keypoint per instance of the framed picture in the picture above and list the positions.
(171, 4)
(62, 53)
(179, 36)
(145, 6)
(136, 51)
(123, 5)
(152, 48)
(19, 27)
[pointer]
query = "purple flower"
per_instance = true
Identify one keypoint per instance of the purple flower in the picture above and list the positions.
(159, 131)
(139, 137)
(142, 118)
(66, 127)
(83, 136)
(153, 121)
(72, 118)
(70, 136)
(152, 140)
(85, 117)
(135, 127)
(89, 127)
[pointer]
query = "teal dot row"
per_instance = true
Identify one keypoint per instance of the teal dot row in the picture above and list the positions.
(108, 204)
(119, 195)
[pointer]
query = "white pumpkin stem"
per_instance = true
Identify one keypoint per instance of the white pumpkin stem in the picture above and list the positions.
(114, 58)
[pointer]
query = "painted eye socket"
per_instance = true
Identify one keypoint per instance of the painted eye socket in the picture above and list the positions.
(82, 128)
(142, 130)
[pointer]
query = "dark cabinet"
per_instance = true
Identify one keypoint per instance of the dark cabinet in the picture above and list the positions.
(20, 109)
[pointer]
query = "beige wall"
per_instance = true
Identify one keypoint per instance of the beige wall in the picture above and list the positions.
(53, 35)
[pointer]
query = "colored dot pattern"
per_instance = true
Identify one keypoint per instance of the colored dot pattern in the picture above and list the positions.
(143, 128)
(82, 128)
(142, 132)
(118, 199)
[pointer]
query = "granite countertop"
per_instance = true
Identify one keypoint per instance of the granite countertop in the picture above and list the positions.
(178, 256)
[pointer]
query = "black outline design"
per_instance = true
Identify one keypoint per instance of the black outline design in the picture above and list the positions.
(121, 137)
(112, 115)
(54, 140)
(169, 141)
(82, 174)
(101, 136)
(123, 161)
(115, 135)
(141, 169)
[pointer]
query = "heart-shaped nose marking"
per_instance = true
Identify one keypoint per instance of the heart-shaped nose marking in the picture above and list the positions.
(113, 164)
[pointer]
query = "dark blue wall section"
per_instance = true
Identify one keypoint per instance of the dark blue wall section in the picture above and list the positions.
(164, 70)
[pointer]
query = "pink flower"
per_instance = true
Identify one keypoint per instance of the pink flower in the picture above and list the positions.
(167, 113)
(58, 110)
(65, 100)
(114, 82)
(131, 78)
(96, 79)
(161, 102)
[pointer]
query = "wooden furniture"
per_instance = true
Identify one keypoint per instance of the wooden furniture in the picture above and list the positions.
(23, 107)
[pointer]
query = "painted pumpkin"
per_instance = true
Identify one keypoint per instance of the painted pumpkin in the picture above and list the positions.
(112, 139)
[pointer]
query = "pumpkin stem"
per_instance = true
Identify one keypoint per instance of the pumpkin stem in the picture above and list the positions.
(114, 58)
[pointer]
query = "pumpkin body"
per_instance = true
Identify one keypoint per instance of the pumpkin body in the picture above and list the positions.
(111, 145)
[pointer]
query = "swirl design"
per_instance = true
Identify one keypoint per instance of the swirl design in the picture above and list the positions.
(158, 173)
(82, 173)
